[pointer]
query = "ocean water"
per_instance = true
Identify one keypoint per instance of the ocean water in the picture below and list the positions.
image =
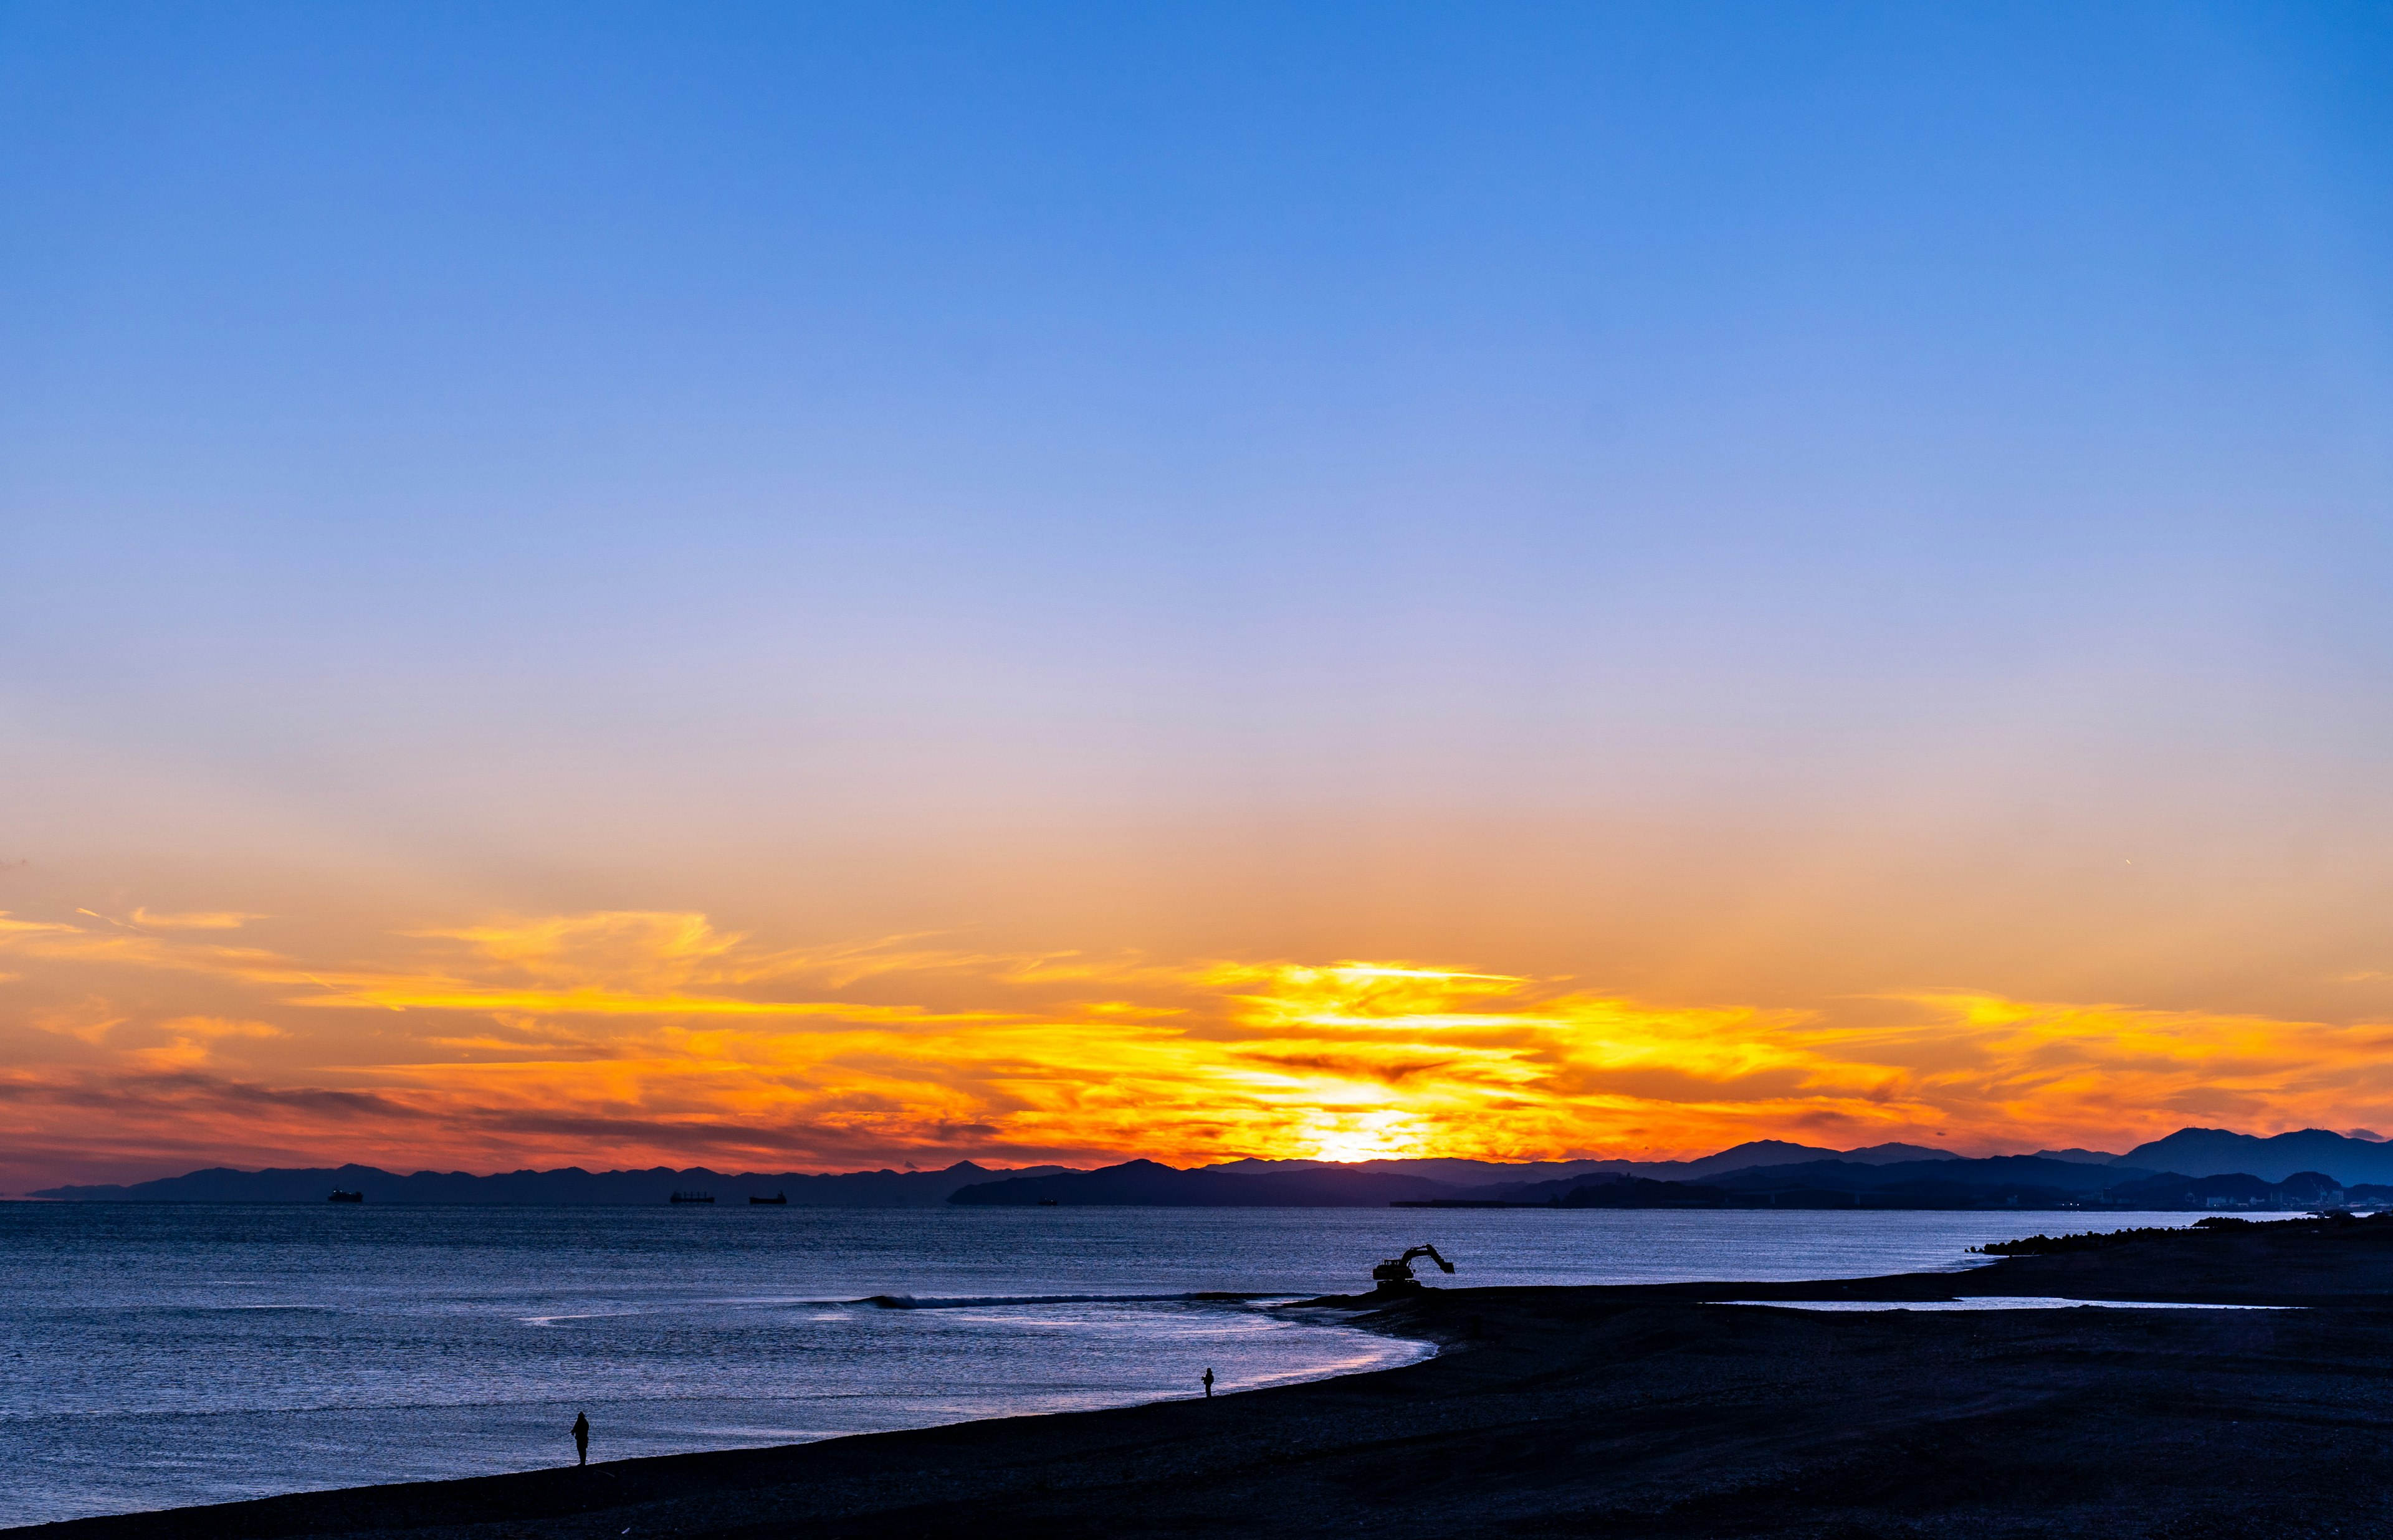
(157, 1355)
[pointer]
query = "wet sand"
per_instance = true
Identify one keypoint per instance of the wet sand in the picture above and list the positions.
(1626, 1412)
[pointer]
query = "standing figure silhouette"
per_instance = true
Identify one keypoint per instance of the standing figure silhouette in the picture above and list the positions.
(582, 1437)
(1209, 1385)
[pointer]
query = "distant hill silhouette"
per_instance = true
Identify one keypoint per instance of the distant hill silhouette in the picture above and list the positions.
(2033, 1181)
(1849, 1171)
(1147, 1183)
(1777, 1152)
(1447, 1168)
(571, 1185)
(2217, 1151)
(2065, 1176)
(1948, 1183)
(1998, 1182)
(1767, 1171)
(2014, 1182)
(1467, 1173)
(884, 1189)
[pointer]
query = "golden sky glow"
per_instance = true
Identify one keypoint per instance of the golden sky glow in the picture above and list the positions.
(1110, 591)
(149, 1042)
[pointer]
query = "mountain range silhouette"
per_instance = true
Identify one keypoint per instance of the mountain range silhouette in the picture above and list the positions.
(1914, 1175)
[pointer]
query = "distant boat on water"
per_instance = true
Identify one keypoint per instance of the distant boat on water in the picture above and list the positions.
(340, 1196)
(778, 1197)
(693, 1197)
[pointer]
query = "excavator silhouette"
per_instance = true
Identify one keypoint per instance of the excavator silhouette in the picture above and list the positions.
(1395, 1276)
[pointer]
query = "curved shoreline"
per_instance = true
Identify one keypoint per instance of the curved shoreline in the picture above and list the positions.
(1653, 1410)
(1106, 1351)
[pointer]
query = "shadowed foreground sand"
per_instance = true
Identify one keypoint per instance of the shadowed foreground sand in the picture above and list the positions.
(1621, 1412)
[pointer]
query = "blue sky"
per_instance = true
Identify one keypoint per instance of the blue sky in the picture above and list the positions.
(994, 461)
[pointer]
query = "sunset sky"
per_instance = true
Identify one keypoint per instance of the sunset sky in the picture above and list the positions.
(818, 587)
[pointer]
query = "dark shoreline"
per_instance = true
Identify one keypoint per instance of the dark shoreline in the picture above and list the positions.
(1646, 1411)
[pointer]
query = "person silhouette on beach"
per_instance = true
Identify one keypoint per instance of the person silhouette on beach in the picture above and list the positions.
(1209, 1385)
(582, 1437)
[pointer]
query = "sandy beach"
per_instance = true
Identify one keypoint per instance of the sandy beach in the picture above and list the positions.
(1658, 1411)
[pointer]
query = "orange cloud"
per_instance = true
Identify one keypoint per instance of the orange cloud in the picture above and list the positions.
(191, 1041)
(636, 1038)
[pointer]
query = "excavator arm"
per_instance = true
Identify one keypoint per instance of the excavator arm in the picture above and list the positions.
(1397, 1272)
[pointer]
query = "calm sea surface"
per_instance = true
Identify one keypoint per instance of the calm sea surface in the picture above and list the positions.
(152, 1356)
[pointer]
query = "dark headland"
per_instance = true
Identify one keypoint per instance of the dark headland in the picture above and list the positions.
(1622, 1412)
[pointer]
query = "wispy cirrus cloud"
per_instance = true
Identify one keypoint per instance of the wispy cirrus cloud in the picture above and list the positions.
(207, 920)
